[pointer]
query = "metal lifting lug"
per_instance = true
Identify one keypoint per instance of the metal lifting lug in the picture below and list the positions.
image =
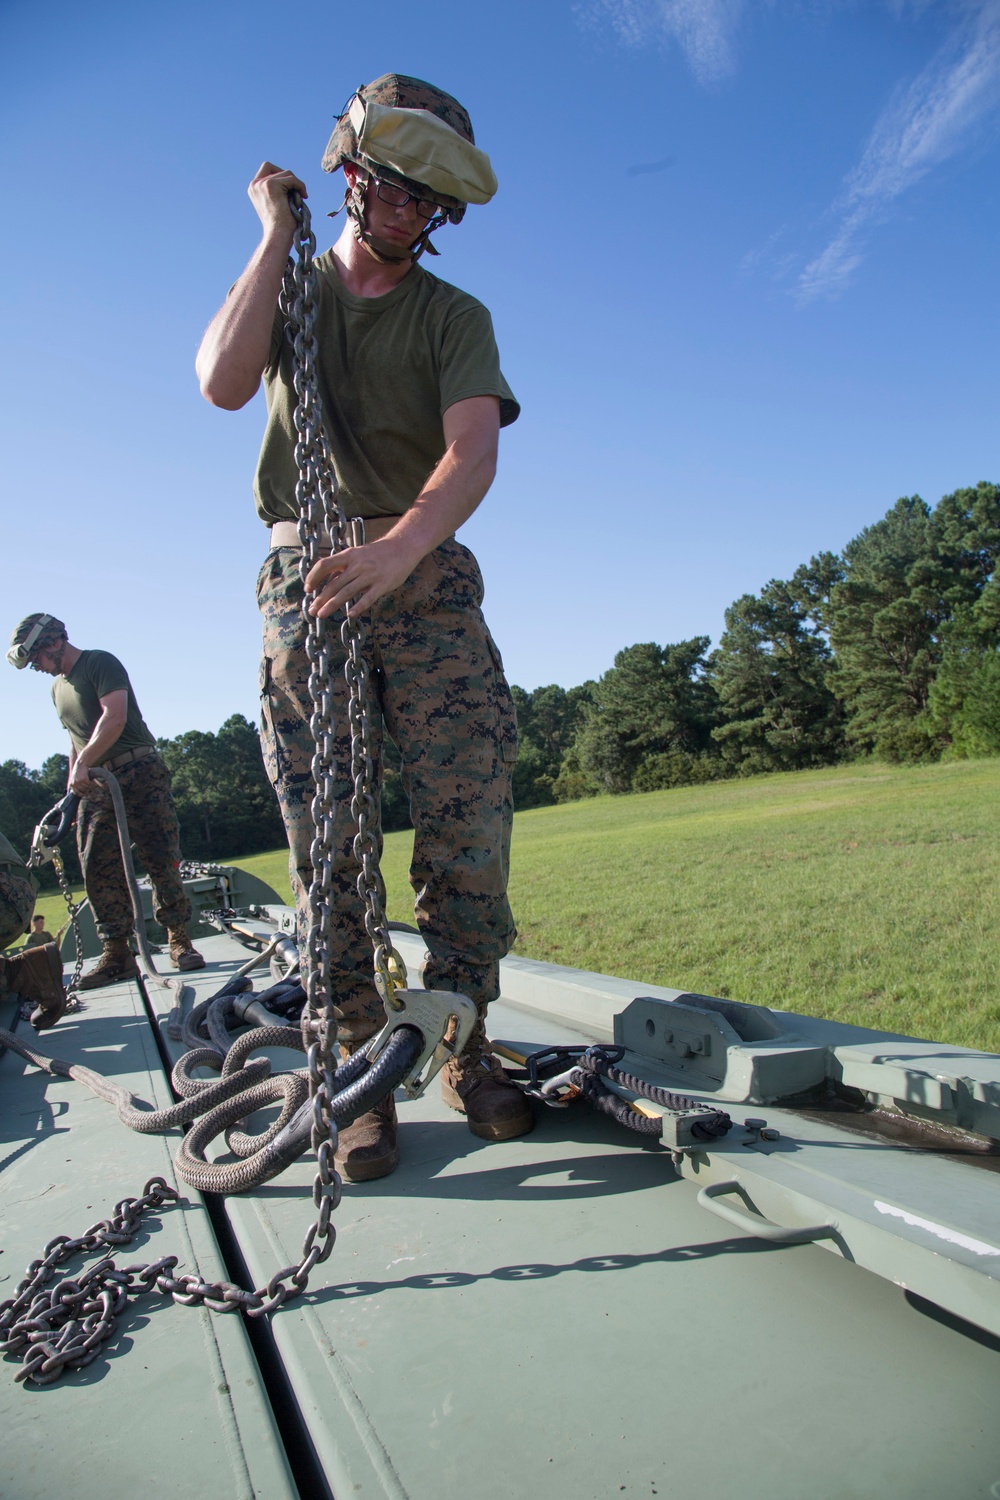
(444, 1019)
(53, 828)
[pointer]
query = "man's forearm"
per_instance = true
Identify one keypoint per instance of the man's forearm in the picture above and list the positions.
(364, 574)
(237, 342)
(357, 577)
(452, 493)
(106, 731)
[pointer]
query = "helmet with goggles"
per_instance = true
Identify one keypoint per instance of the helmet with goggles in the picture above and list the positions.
(33, 634)
(408, 136)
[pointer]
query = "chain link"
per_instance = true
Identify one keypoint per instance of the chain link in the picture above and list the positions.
(63, 1327)
(74, 916)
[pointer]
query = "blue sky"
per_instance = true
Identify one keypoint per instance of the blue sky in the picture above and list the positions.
(742, 266)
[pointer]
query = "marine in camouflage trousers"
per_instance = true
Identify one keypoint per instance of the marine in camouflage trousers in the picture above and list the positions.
(436, 683)
(17, 901)
(152, 823)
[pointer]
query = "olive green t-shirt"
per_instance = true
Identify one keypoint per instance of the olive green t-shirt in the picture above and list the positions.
(387, 369)
(77, 697)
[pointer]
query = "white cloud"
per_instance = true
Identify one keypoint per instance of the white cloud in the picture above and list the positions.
(926, 122)
(705, 30)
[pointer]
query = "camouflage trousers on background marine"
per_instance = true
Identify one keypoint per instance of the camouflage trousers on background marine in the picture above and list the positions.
(437, 684)
(152, 824)
(17, 902)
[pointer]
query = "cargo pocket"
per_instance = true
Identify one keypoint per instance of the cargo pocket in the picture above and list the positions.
(268, 742)
(503, 703)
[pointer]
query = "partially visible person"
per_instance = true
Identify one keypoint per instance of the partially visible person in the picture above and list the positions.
(96, 705)
(34, 972)
(38, 936)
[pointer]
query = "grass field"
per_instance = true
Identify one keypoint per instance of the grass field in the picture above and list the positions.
(865, 893)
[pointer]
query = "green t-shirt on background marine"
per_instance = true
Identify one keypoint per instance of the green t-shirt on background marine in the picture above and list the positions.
(387, 369)
(77, 697)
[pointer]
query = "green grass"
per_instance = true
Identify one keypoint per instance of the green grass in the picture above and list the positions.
(864, 893)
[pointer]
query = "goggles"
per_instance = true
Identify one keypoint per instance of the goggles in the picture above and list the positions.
(20, 655)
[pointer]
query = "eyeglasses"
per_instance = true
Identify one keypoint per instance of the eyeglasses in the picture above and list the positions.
(20, 655)
(398, 197)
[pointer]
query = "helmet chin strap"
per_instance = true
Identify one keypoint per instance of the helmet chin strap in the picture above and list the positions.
(354, 202)
(364, 240)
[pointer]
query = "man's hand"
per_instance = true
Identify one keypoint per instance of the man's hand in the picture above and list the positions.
(358, 577)
(235, 347)
(79, 779)
(269, 195)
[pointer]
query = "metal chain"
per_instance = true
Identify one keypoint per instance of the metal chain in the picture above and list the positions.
(320, 516)
(64, 1326)
(74, 915)
(322, 520)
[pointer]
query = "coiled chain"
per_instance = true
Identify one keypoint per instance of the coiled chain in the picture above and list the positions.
(63, 1327)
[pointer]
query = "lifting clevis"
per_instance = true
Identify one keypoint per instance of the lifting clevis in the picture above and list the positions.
(444, 1019)
(51, 831)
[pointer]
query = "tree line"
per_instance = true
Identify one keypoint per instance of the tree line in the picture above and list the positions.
(225, 803)
(890, 648)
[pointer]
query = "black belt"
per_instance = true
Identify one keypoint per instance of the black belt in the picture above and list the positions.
(127, 757)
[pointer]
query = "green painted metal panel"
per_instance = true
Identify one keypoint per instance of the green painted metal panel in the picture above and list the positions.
(174, 1404)
(557, 1315)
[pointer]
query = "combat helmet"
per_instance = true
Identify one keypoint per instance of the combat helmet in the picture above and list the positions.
(32, 634)
(417, 137)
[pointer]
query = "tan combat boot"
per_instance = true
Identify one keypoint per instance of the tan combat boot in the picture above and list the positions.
(367, 1148)
(36, 973)
(183, 954)
(117, 962)
(476, 1084)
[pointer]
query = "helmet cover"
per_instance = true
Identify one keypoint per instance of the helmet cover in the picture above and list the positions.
(397, 91)
(32, 634)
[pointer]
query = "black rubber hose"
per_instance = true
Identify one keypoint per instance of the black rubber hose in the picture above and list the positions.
(282, 997)
(191, 1033)
(65, 813)
(220, 1011)
(716, 1122)
(618, 1109)
(360, 1086)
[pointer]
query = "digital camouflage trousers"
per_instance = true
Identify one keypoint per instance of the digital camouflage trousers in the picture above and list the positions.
(436, 683)
(17, 901)
(152, 824)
